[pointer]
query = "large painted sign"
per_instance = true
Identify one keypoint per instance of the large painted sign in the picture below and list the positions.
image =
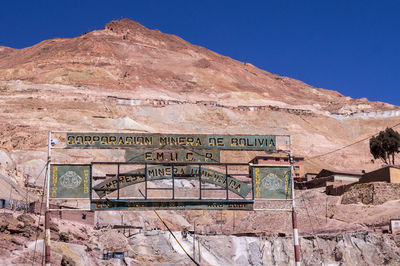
(272, 182)
(187, 156)
(163, 172)
(99, 205)
(69, 181)
(170, 141)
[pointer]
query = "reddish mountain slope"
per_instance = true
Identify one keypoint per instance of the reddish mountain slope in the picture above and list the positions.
(128, 56)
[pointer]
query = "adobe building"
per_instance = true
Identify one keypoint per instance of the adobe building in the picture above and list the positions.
(344, 176)
(388, 173)
(310, 176)
(331, 179)
(298, 163)
(83, 217)
(72, 214)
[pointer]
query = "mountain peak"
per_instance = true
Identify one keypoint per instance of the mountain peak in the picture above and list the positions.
(124, 25)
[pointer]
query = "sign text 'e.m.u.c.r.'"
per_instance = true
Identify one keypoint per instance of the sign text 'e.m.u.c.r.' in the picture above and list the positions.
(181, 155)
(170, 141)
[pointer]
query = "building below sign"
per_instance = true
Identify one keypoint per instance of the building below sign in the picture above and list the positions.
(395, 226)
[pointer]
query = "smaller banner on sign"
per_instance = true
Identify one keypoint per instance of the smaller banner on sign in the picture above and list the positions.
(148, 155)
(165, 172)
(272, 182)
(69, 181)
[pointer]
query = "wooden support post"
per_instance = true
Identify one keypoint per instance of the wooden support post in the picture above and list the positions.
(226, 181)
(47, 237)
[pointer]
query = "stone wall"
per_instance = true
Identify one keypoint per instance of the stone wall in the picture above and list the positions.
(371, 193)
(242, 108)
(346, 249)
(382, 114)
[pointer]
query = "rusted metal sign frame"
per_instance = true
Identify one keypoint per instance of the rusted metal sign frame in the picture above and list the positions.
(190, 203)
(54, 146)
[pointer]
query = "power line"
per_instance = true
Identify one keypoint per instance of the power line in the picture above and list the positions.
(40, 172)
(312, 228)
(344, 147)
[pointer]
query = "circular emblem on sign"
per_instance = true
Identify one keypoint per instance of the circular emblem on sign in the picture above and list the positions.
(70, 180)
(272, 182)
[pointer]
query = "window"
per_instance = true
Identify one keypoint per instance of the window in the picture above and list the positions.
(297, 168)
(277, 159)
(297, 174)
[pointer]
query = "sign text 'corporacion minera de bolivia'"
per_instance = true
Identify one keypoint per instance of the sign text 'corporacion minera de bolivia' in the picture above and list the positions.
(200, 141)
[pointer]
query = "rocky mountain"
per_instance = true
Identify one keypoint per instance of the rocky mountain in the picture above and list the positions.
(128, 77)
(127, 56)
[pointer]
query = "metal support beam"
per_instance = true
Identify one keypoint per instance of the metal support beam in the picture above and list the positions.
(145, 181)
(200, 181)
(226, 181)
(173, 182)
(252, 182)
(118, 181)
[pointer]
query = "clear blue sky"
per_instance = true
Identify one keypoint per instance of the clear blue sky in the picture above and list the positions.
(349, 46)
